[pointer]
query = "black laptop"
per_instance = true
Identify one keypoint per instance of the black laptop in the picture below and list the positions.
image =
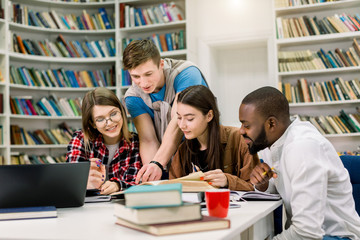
(59, 185)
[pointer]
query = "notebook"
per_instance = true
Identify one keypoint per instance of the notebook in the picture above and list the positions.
(59, 185)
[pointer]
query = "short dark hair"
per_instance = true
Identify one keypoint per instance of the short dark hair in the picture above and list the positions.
(139, 52)
(269, 101)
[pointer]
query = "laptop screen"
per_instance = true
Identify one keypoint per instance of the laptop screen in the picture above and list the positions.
(59, 185)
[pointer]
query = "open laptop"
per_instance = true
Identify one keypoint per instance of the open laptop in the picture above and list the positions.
(59, 185)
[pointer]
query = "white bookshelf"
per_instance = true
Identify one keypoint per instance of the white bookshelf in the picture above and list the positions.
(141, 32)
(9, 58)
(55, 89)
(33, 29)
(42, 62)
(311, 8)
(342, 142)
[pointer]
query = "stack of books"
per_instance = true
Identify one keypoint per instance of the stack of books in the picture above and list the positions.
(159, 210)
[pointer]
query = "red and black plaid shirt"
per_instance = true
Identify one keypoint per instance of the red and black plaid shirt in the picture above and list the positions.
(123, 167)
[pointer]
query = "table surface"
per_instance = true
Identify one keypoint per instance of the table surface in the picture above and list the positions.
(97, 221)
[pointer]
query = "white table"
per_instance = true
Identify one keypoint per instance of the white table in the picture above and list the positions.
(254, 220)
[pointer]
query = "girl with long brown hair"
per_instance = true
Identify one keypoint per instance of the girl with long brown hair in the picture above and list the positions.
(106, 142)
(219, 151)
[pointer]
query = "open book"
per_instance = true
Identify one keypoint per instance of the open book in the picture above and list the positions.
(253, 195)
(190, 183)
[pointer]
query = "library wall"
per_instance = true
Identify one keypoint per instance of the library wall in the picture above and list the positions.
(221, 37)
(236, 74)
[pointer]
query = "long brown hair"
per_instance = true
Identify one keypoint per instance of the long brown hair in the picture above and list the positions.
(201, 98)
(101, 97)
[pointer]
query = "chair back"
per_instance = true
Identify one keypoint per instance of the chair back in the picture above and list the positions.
(352, 164)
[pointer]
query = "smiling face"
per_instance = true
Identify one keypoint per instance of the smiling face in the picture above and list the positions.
(192, 122)
(253, 128)
(148, 76)
(108, 121)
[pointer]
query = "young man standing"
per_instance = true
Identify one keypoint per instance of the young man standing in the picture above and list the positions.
(302, 166)
(151, 101)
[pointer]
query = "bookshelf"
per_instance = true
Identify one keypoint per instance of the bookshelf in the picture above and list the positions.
(315, 76)
(127, 31)
(14, 63)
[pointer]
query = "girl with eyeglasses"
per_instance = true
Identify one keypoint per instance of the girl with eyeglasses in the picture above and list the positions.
(219, 151)
(106, 142)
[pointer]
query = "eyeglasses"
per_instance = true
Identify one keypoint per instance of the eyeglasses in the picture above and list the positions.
(115, 117)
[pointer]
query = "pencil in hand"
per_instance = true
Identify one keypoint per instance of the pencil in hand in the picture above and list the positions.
(274, 173)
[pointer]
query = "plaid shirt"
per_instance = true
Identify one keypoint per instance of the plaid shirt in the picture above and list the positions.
(123, 167)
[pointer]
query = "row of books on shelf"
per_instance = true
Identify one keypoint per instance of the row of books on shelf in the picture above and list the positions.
(125, 78)
(22, 158)
(165, 42)
(333, 90)
(60, 135)
(315, 60)
(46, 106)
(344, 123)
(293, 3)
(98, 21)
(64, 48)
(307, 26)
(160, 13)
(61, 78)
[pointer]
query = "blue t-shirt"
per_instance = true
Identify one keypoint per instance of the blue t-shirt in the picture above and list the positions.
(188, 77)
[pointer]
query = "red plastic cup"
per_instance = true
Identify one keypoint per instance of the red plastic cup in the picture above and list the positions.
(217, 202)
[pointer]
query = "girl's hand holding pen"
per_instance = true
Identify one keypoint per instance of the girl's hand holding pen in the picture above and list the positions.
(195, 168)
(261, 175)
(96, 174)
(216, 178)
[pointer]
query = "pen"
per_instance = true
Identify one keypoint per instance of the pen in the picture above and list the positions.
(195, 170)
(272, 169)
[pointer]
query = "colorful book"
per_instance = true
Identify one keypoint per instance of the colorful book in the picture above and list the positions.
(28, 213)
(146, 196)
(207, 223)
(185, 212)
(190, 183)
